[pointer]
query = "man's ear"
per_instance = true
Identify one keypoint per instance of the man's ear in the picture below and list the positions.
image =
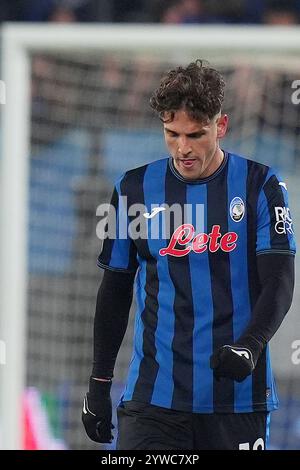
(222, 125)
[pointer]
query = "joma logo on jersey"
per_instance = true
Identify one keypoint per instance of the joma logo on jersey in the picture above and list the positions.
(284, 221)
(185, 236)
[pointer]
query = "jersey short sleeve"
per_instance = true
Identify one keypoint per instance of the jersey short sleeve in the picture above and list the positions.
(118, 251)
(275, 231)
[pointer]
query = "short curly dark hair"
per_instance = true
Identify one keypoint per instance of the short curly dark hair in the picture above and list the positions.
(197, 88)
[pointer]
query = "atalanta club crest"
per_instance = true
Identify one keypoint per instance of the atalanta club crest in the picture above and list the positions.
(237, 209)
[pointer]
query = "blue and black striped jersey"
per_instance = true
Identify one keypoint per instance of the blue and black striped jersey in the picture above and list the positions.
(196, 282)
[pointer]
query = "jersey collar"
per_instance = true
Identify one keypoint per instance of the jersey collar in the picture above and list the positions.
(201, 180)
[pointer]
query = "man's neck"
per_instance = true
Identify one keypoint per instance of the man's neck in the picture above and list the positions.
(215, 164)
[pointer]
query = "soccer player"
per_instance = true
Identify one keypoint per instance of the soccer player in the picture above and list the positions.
(211, 291)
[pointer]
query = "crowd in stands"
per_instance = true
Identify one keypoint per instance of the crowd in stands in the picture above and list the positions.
(285, 12)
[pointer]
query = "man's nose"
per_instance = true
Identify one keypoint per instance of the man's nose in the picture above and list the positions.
(184, 147)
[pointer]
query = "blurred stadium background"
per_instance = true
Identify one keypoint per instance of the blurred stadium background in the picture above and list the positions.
(82, 119)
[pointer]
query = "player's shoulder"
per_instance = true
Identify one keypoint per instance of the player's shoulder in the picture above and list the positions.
(256, 172)
(133, 176)
(253, 165)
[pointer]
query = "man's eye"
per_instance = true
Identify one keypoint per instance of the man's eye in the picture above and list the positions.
(196, 136)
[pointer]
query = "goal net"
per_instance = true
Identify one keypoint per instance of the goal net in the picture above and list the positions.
(83, 118)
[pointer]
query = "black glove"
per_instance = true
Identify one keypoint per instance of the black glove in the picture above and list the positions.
(234, 361)
(97, 411)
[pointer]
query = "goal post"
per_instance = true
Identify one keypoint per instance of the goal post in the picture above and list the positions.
(14, 229)
(262, 47)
